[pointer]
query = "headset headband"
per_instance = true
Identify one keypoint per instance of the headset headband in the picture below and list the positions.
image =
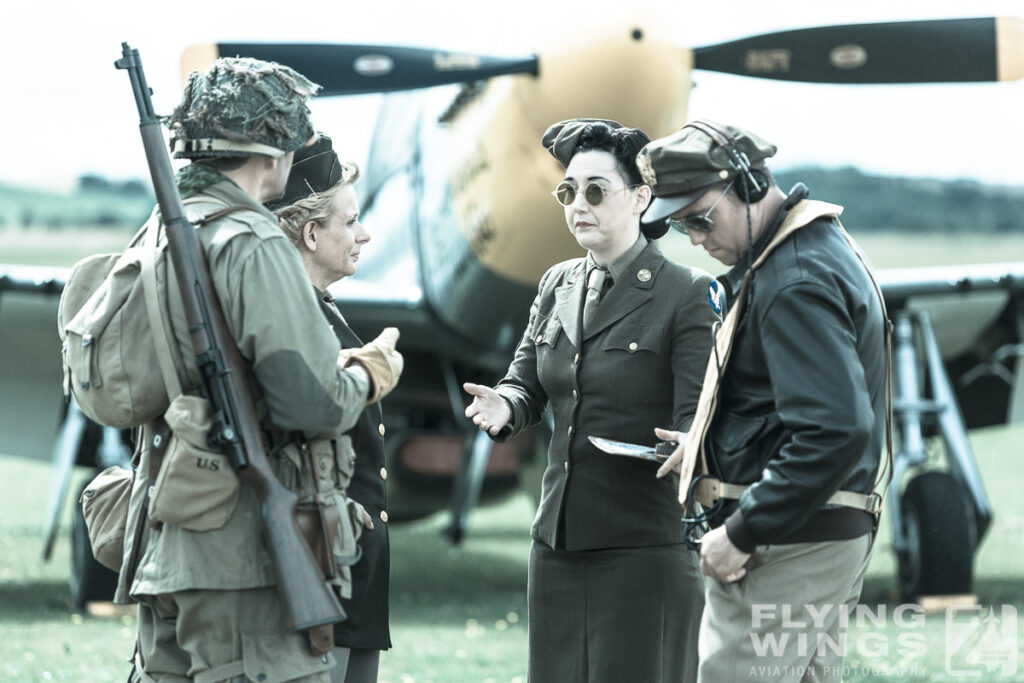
(751, 189)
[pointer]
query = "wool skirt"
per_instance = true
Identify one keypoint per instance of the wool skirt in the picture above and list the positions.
(614, 615)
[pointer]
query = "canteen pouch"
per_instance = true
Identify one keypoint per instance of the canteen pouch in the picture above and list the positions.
(105, 509)
(196, 488)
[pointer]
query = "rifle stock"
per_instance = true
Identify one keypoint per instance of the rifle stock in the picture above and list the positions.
(308, 599)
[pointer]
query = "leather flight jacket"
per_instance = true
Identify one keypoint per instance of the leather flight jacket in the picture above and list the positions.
(802, 404)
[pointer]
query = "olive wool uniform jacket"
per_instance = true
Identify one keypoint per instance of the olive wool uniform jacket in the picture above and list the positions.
(639, 366)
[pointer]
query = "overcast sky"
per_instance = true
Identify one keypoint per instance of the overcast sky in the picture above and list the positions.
(67, 111)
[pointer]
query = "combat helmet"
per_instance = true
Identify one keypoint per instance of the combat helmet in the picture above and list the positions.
(242, 107)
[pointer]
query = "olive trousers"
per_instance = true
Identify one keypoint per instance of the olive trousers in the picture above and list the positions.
(210, 636)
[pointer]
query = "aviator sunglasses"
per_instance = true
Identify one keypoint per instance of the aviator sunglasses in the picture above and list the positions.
(565, 193)
(701, 223)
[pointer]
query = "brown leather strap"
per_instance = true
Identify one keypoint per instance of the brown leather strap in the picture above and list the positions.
(318, 528)
(321, 542)
(321, 639)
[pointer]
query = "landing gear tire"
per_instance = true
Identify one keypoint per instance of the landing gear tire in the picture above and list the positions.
(90, 580)
(937, 526)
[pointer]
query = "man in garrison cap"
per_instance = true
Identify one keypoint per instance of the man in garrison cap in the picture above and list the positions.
(792, 418)
(200, 570)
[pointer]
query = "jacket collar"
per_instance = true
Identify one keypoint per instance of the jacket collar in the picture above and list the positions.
(568, 298)
(628, 293)
(734, 276)
(232, 195)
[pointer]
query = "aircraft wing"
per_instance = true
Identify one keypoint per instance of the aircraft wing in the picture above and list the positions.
(37, 279)
(977, 314)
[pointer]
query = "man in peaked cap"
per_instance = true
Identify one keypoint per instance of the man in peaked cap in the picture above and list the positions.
(208, 608)
(791, 449)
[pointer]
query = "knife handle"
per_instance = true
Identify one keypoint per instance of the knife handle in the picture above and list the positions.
(665, 448)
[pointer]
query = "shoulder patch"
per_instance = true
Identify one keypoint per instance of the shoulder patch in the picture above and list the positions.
(715, 295)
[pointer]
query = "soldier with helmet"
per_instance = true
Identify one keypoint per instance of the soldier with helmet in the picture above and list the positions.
(208, 608)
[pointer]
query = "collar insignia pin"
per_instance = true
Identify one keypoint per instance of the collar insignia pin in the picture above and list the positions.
(643, 275)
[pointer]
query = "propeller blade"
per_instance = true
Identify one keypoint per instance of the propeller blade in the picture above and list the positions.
(934, 51)
(357, 69)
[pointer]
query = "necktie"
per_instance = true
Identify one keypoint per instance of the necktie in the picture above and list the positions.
(595, 288)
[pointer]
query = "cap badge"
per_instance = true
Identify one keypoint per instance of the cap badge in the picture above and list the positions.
(643, 275)
(643, 162)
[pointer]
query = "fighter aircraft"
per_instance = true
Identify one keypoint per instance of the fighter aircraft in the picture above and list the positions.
(456, 191)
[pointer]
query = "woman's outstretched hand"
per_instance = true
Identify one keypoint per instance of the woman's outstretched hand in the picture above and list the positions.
(489, 411)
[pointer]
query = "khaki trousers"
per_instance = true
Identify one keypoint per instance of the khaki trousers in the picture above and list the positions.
(781, 622)
(209, 636)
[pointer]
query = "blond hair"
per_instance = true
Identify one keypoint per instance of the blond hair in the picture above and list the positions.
(316, 207)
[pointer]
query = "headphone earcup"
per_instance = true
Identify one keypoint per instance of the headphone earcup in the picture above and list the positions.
(752, 186)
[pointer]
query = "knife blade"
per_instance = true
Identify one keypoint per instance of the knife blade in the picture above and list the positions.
(632, 450)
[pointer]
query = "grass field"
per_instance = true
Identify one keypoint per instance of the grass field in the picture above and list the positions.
(460, 616)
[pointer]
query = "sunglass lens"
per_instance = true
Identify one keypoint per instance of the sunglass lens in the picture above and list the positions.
(565, 193)
(594, 194)
(698, 223)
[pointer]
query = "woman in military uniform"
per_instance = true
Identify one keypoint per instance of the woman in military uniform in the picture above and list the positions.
(617, 342)
(320, 215)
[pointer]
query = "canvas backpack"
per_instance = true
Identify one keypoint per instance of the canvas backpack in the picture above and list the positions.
(116, 345)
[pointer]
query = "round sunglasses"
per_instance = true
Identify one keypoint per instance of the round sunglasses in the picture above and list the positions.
(565, 193)
(701, 223)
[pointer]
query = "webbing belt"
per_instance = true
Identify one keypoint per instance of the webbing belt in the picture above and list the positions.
(711, 489)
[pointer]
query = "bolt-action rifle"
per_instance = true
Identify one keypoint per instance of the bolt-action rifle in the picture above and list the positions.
(309, 601)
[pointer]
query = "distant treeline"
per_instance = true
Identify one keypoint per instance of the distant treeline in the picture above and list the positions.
(887, 203)
(95, 202)
(872, 202)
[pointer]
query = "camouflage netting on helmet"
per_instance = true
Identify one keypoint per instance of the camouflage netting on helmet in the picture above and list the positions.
(243, 100)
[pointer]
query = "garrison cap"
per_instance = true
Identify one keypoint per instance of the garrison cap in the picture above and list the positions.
(315, 169)
(682, 166)
(562, 138)
(242, 107)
